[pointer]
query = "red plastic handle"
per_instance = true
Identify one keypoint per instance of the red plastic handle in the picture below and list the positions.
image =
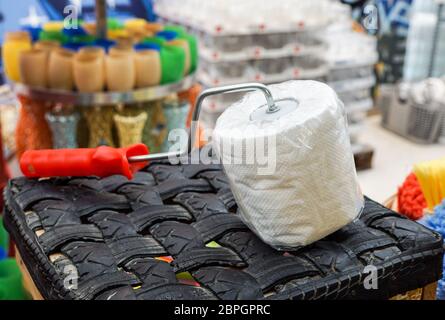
(102, 162)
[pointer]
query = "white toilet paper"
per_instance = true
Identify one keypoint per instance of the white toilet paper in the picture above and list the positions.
(306, 188)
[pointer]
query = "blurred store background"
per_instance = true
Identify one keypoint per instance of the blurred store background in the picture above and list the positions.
(384, 58)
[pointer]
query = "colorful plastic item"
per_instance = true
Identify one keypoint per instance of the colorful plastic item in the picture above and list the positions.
(155, 40)
(14, 44)
(102, 162)
(58, 36)
(11, 287)
(4, 239)
(431, 176)
(147, 46)
(173, 63)
(114, 24)
(75, 31)
(33, 32)
(436, 222)
(53, 26)
(410, 198)
(175, 28)
(193, 46)
(168, 35)
(105, 43)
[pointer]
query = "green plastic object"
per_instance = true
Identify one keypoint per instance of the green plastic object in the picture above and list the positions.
(178, 29)
(54, 36)
(172, 63)
(87, 39)
(11, 287)
(74, 22)
(4, 238)
(193, 44)
(114, 24)
(156, 40)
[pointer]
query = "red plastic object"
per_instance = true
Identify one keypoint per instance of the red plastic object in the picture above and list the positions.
(411, 200)
(102, 162)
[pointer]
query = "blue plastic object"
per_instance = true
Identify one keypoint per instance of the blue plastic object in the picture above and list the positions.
(167, 34)
(104, 43)
(34, 32)
(147, 46)
(73, 46)
(2, 254)
(436, 222)
(75, 32)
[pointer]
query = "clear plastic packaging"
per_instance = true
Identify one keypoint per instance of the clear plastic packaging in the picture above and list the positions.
(306, 186)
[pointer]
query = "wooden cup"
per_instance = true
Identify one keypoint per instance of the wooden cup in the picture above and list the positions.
(34, 68)
(60, 69)
(148, 68)
(89, 75)
(121, 49)
(120, 71)
(92, 50)
(46, 45)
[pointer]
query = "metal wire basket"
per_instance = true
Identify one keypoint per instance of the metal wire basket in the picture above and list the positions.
(419, 122)
(442, 132)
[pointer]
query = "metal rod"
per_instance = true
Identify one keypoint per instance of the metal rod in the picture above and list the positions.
(272, 107)
(101, 19)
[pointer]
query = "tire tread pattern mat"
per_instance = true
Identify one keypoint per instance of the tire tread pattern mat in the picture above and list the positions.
(173, 233)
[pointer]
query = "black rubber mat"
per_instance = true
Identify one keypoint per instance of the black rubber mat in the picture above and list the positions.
(173, 233)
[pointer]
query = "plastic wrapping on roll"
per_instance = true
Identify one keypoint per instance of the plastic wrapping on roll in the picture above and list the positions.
(304, 186)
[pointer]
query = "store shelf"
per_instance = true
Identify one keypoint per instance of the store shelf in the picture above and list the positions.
(353, 84)
(219, 30)
(259, 53)
(105, 98)
(359, 106)
(252, 76)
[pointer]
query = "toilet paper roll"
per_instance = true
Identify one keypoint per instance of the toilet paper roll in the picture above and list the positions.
(305, 187)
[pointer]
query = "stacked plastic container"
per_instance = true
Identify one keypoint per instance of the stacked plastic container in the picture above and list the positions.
(252, 40)
(420, 43)
(351, 57)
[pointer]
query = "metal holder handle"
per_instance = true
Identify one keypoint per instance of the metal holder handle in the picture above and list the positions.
(272, 108)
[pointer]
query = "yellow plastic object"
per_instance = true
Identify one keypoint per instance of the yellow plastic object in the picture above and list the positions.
(431, 176)
(15, 43)
(213, 244)
(117, 34)
(53, 26)
(133, 24)
(184, 276)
